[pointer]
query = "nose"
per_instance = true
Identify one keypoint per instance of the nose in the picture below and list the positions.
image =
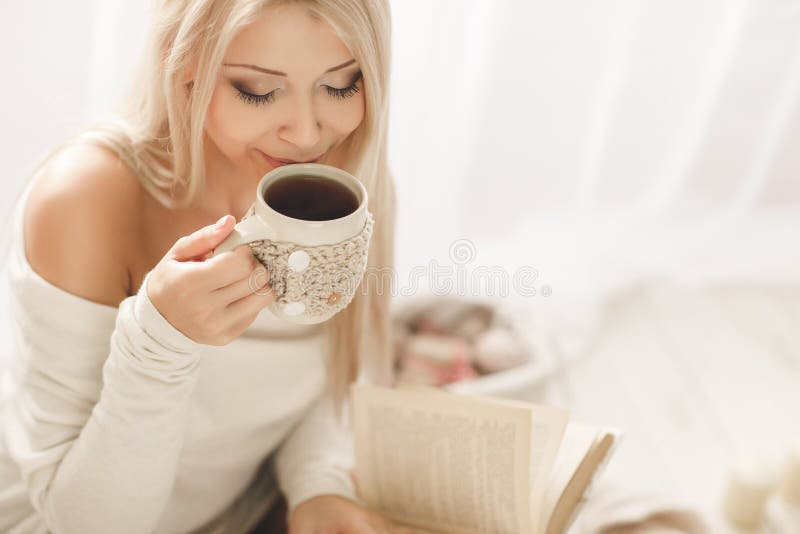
(302, 128)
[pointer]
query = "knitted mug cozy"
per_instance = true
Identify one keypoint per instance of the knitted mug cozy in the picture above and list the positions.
(318, 281)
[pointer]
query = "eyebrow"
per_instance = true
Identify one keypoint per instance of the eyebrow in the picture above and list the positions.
(279, 73)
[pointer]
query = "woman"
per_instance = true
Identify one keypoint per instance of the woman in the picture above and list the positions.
(147, 392)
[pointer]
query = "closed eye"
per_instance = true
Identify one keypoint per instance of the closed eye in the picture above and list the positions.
(255, 100)
(335, 92)
(348, 91)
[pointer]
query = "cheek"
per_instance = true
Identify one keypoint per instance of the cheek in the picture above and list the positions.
(347, 117)
(231, 123)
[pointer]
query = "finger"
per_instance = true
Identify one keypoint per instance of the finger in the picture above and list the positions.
(257, 280)
(249, 306)
(225, 269)
(202, 241)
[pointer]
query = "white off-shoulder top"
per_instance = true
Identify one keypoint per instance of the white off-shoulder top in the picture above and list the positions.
(114, 421)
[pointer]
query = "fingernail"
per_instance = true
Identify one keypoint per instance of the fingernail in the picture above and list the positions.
(220, 223)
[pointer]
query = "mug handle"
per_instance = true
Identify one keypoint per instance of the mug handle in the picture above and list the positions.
(245, 231)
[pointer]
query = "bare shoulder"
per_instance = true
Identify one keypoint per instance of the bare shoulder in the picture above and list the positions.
(80, 220)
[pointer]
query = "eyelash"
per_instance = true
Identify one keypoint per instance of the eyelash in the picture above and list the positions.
(339, 94)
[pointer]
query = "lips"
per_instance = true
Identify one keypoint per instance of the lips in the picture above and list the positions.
(281, 161)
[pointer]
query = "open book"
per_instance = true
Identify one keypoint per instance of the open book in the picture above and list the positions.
(446, 462)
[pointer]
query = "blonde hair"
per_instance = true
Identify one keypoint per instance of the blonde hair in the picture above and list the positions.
(159, 135)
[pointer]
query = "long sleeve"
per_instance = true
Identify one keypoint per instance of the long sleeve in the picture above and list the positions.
(316, 457)
(97, 407)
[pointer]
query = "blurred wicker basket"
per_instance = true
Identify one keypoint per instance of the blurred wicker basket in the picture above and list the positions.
(467, 317)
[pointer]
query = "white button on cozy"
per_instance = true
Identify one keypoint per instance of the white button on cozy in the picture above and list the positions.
(299, 260)
(294, 308)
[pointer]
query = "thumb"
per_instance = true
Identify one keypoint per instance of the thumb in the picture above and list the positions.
(201, 242)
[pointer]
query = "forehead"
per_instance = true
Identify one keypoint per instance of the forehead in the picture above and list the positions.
(287, 38)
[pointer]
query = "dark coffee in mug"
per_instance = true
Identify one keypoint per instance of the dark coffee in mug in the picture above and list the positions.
(310, 198)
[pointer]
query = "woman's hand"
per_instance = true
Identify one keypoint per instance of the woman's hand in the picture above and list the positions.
(214, 300)
(330, 514)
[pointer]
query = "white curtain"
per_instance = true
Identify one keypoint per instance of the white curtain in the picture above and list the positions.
(599, 143)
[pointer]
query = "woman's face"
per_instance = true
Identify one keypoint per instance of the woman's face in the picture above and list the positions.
(289, 89)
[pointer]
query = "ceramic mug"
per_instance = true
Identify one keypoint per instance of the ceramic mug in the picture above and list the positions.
(315, 266)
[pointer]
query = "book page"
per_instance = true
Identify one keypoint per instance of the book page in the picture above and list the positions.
(547, 433)
(583, 453)
(578, 439)
(443, 461)
(547, 437)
